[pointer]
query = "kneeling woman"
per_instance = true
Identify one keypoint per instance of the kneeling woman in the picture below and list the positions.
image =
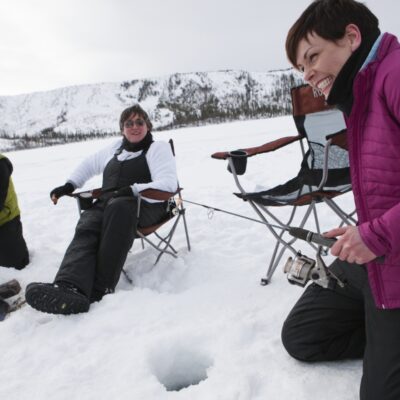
(105, 232)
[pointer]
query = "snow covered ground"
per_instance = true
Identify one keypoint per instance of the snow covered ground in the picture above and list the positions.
(203, 317)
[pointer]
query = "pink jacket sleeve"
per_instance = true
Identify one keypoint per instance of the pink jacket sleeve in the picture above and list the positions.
(382, 234)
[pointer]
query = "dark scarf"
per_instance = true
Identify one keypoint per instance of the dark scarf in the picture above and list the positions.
(341, 94)
(144, 144)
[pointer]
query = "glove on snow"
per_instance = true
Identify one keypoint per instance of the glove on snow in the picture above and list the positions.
(59, 191)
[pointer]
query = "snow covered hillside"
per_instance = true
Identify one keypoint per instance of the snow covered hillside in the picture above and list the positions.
(201, 319)
(171, 101)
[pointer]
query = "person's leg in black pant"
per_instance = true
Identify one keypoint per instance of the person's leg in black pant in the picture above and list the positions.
(70, 292)
(13, 249)
(326, 325)
(93, 261)
(381, 368)
(118, 233)
(79, 263)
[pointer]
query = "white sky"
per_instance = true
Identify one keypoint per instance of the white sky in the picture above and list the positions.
(46, 44)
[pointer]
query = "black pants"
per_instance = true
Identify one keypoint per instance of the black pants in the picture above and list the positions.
(344, 323)
(104, 234)
(13, 250)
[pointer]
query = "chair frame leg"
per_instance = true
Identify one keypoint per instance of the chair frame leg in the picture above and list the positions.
(164, 244)
(165, 240)
(182, 212)
(286, 245)
(282, 245)
(346, 218)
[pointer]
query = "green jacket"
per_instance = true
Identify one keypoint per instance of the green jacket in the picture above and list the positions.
(10, 209)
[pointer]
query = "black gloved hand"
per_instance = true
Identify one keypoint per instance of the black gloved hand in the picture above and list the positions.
(59, 191)
(126, 191)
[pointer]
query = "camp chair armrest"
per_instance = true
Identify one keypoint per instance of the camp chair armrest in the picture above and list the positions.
(339, 139)
(156, 194)
(91, 193)
(265, 148)
(80, 195)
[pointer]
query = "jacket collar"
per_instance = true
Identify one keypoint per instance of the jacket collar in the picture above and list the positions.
(387, 44)
(373, 52)
(341, 94)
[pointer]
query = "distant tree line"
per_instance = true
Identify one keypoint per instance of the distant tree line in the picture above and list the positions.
(48, 137)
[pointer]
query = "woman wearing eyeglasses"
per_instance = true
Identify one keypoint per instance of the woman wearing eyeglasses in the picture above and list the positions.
(105, 232)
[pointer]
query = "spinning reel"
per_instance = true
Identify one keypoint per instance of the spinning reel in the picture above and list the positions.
(302, 269)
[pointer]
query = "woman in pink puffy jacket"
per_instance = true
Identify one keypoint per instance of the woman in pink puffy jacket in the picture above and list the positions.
(338, 47)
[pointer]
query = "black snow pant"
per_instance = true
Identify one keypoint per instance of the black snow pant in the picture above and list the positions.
(344, 323)
(104, 234)
(13, 250)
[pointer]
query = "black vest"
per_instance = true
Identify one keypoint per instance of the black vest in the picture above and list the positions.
(118, 174)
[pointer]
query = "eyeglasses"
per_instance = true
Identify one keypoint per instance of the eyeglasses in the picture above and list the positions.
(130, 123)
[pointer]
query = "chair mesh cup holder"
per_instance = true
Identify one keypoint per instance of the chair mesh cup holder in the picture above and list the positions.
(239, 160)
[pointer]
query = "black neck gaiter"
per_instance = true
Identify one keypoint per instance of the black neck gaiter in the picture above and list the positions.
(341, 94)
(144, 144)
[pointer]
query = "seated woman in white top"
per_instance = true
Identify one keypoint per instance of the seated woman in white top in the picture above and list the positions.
(105, 232)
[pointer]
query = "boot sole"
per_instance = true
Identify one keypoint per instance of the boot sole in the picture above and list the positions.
(53, 300)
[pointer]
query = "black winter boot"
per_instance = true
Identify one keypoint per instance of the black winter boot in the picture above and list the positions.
(56, 298)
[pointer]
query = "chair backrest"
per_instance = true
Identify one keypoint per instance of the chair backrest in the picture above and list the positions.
(318, 122)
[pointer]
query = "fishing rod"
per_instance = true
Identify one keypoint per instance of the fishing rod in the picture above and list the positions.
(301, 269)
(227, 212)
(299, 233)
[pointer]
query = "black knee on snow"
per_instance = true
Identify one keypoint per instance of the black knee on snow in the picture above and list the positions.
(18, 264)
(293, 342)
(288, 340)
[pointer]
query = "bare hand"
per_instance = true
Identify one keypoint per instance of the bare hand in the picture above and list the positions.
(349, 246)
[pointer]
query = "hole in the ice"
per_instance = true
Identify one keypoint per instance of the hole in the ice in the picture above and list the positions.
(180, 368)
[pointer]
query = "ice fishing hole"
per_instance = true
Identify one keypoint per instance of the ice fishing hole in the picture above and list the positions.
(179, 368)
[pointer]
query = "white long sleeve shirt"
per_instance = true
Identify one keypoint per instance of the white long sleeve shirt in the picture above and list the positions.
(159, 158)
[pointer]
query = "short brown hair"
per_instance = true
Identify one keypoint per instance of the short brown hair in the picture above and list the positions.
(134, 110)
(328, 19)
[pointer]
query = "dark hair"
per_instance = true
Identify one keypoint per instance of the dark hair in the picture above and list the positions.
(328, 19)
(134, 110)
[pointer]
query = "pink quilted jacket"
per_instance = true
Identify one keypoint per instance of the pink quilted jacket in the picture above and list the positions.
(374, 150)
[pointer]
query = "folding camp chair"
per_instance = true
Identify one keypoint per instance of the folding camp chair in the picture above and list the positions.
(175, 212)
(324, 172)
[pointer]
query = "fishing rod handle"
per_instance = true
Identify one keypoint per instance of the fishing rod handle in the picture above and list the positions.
(312, 237)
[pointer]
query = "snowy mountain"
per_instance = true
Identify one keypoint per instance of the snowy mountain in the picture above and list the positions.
(75, 112)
